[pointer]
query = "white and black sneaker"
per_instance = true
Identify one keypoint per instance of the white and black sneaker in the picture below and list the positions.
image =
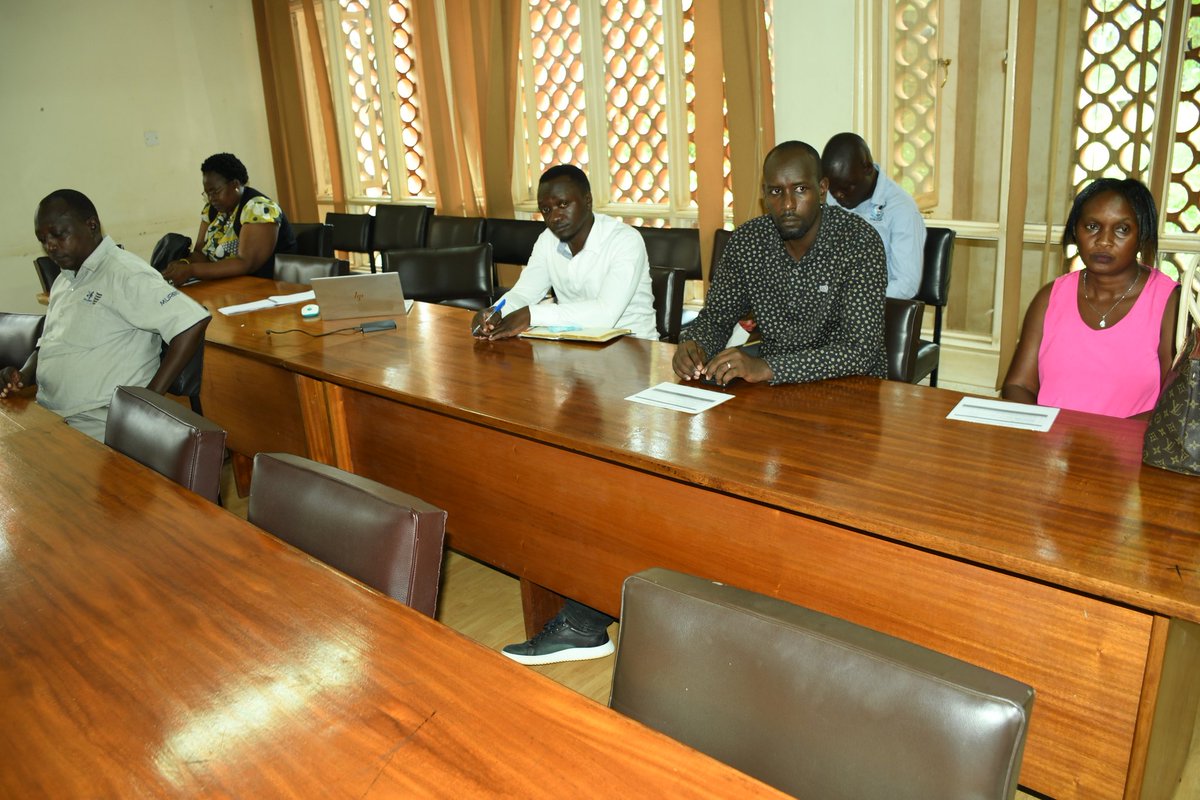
(558, 642)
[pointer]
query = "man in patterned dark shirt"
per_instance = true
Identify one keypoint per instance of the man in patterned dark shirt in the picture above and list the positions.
(814, 276)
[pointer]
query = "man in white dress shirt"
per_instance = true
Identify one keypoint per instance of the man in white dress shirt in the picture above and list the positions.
(598, 269)
(596, 265)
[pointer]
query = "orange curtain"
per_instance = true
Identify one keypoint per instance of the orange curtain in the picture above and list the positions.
(291, 149)
(467, 91)
(731, 43)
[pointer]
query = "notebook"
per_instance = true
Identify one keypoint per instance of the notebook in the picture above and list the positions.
(370, 295)
(571, 334)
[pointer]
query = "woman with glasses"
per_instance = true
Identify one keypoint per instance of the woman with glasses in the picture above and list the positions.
(241, 229)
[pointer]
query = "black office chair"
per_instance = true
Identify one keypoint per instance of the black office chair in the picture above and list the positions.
(512, 242)
(934, 291)
(191, 377)
(674, 247)
(18, 337)
(312, 239)
(302, 269)
(720, 239)
(667, 284)
(389, 540)
(167, 438)
(902, 337)
(351, 233)
(454, 231)
(453, 276)
(47, 271)
(400, 227)
(813, 705)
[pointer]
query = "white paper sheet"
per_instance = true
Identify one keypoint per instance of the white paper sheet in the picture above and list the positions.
(678, 397)
(270, 302)
(1004, 414)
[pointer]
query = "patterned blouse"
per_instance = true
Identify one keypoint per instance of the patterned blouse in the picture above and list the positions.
(820, 317)
(221, 240)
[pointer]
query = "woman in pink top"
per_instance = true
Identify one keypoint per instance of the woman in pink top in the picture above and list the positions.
(1101, 339)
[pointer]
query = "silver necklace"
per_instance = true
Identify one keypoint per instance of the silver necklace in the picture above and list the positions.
(1104, 316)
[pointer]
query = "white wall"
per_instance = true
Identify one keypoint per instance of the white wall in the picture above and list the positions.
(814, 69)
(83, 82)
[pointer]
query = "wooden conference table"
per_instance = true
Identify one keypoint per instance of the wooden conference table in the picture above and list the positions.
(152, 644)
(1055, 558)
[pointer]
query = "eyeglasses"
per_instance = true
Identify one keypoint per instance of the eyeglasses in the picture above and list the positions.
(209, 194)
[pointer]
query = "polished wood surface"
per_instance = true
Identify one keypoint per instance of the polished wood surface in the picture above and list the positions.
(20, 412)
(154, 645)
(1056, 558)
(1074, 507)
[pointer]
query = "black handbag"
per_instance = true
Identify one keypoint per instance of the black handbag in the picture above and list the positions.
(1173, 436)
(170, 248)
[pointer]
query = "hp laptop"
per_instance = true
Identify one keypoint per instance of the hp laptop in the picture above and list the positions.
(371, 295)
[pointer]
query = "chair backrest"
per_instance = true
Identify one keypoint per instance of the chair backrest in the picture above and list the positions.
(302, 269)
(902, 337)
(386, 539)
(667, 284)
(811, 704)
(460, 276)
(312, 239)
(167, 438)
(400, 227)
(18, 337)
(447, 231)
(674, 247)
(935, 275)
(351, 233)
(190, 379)
(47, 271)
(720, 239)
(512, 240)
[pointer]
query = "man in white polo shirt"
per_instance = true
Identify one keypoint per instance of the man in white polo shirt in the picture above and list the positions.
(595, 263)
(600, 274)
(109, 312)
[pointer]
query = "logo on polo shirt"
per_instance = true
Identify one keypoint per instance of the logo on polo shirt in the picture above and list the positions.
(92, 297)
(166, 299)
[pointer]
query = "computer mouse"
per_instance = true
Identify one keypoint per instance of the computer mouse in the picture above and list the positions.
(310, 310)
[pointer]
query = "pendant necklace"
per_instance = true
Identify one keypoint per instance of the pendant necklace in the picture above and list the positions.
(1104, 316)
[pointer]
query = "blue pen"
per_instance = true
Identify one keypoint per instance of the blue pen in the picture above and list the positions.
(492, 312)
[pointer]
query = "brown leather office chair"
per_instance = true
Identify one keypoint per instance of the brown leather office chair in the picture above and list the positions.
(312, 239)
(352, 233)
(454, 276)
(902, 337)
(18, 337)
(386, 539)
(47, 271)
(168, 438)
(674, 247)
(302, 269)
(667, 284)
(934, 291)
(811, 704)
(447, 231)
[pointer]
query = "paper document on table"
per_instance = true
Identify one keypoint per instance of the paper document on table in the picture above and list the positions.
(1004, 414)
(271, 302)
(678, 397)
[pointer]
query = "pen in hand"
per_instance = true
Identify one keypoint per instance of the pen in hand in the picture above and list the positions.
(491, 315)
